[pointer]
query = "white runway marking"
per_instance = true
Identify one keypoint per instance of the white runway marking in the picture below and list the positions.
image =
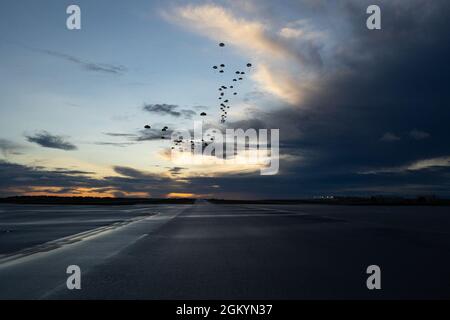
(242, 215)
(272, 209)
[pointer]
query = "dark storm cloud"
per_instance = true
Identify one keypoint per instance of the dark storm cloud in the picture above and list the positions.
(48, 140)
(364, 111)
(169, 109)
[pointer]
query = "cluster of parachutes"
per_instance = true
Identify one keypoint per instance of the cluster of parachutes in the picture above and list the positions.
(226, 91)
(225, 94)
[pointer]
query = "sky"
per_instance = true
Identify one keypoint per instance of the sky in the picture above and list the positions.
(360, 112)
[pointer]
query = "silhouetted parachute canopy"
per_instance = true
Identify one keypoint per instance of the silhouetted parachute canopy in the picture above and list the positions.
(231, 87)
(249, 65)
(221, 71)
(237, 72)
(235, 93)
(242, 72)
(215, 67)
(223, 87)
(240, 78)
(222, 94)
(222, 65)
(147, 126)
(222, 44)
(203, 114)
(226, 101)
(234, 80)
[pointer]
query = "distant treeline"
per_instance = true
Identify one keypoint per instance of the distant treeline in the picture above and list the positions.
(92, 200)
(375, 200)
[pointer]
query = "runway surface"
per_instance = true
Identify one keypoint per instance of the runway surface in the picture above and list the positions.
(209, 251)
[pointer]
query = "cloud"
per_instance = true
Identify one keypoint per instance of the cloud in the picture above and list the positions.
(8, 147)
(87, 65)
(217, 22)
(281, 64)
(176, 170)
(430, 163)
(152, 134)
(439, 162)
(278, 84)
(169, 109)
(114, 144)
(301, 29)
(119, 134)
(108, 68)
(389, 137)
(17, 179)
(419, 135)
(47, 140)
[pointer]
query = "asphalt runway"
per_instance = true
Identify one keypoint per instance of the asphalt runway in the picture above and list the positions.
(210, 251)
